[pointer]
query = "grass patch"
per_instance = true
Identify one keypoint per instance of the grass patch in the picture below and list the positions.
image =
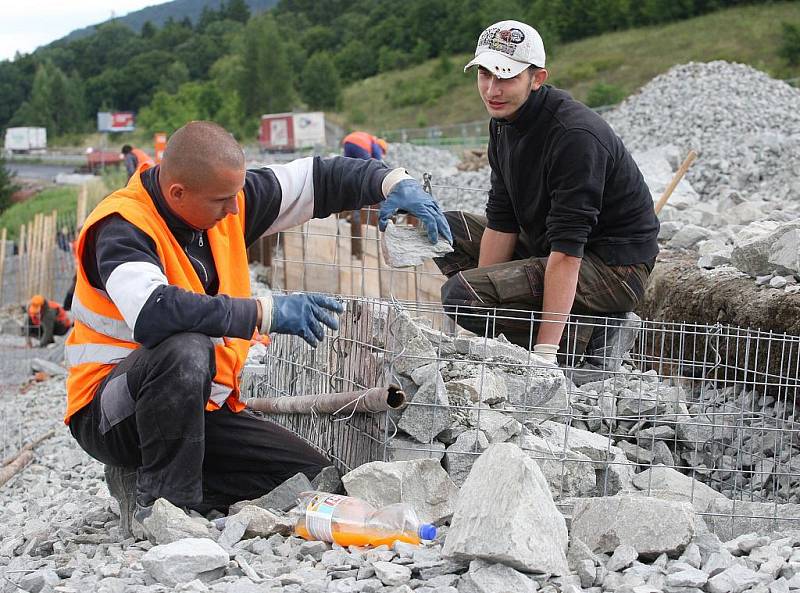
(63, 199)
(438, 92)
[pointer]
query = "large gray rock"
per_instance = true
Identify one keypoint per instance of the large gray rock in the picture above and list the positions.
(536, 387)
(263, 523)
(650, 525)
(613, 471)
(503, 497)
(167, 523)
(408, 341)
(427, 414)
(688, 236)
(666, 479)
(729, 519)
(422, 483)
(405, 246)
(485, 577)
(184, 560)
(281, 498)
(497, 427)
(784, 254)
(405, 449)
(567, 473)
(752, 246)
(486, 386)
(461, 455)
(51, 368)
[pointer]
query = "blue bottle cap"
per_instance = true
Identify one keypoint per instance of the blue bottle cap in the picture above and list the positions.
(427, 531)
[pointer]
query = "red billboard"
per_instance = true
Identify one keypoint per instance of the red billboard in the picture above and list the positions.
(116, 121)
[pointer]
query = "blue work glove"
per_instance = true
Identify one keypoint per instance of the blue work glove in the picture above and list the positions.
(408, 195)
(304, 315)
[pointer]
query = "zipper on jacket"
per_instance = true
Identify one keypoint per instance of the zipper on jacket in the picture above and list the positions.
(190, 256)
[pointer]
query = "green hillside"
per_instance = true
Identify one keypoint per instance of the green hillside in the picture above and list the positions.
(437, 92)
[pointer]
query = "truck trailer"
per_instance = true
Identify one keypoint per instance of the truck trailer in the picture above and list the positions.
(25, 140)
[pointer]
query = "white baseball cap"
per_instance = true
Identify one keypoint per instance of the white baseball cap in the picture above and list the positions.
(506, 48)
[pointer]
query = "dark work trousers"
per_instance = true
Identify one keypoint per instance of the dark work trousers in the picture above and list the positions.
(149, 414)
(471, 293)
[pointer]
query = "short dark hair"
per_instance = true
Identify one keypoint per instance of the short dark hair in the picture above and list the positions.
(126, 149)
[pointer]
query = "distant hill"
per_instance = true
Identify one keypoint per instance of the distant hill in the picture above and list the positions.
(159, 13)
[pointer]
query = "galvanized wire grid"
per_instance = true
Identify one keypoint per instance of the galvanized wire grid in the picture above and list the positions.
(716, 403)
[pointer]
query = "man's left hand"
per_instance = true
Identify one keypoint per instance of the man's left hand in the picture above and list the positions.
(408, 195)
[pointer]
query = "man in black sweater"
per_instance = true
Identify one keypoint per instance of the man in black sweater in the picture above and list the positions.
(569, 226)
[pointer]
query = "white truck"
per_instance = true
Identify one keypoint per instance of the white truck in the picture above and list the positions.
(26, 139)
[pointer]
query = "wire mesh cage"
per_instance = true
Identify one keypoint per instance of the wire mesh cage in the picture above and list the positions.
(701, 413)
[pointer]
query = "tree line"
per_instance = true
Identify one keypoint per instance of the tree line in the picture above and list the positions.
(231, 66)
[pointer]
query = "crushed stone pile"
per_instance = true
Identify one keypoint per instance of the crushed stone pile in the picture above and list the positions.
(59, 527)
(743, 124)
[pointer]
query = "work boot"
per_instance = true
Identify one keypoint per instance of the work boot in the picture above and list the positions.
(139, 514)
(121, 483)
(610, 342)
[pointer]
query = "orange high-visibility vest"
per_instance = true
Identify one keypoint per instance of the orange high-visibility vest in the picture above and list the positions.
(361, 139)
(142, 157)
(101, 338)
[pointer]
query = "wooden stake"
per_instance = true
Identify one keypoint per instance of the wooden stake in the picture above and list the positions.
(3, 235)
(80, 211)
(13, 464)
(21, 265)
(676, 179)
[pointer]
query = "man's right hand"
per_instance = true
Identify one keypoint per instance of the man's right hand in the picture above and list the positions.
(305, 315)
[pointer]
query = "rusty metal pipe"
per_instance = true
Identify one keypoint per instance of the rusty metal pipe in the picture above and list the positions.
(375, 399)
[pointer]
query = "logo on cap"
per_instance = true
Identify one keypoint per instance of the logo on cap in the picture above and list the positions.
(502, 40)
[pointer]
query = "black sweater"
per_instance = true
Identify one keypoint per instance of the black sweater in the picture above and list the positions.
(563, 178)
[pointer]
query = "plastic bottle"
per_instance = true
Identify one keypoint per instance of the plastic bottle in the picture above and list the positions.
(350, 521)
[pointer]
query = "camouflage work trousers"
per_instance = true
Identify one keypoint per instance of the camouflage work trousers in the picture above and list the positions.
(473, 296)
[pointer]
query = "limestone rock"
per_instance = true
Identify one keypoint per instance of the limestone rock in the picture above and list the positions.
(392, 574)
(504, 495)
(421, 483)
(461, 455)
(281, 498)
(405, 246)
(486, 387)
(684, 487)
(183, 560)
(427, 414)
(497, 427)
(262, 522)
(167, 523)
(485, 577)
(650, 525)
(404, 449)
(567, 473)
(733, 580)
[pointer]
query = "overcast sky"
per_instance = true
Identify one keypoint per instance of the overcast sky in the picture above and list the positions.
(27, 24)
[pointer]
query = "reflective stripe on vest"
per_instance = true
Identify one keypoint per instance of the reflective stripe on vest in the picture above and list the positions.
(96, 353)
(113, 328)
(219, 393)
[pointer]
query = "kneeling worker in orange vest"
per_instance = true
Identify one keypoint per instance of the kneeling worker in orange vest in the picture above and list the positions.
(46, 319)
(134, 158)
(361, 145)
(164, 315)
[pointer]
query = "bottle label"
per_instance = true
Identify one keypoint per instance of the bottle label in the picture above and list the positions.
(319, 516)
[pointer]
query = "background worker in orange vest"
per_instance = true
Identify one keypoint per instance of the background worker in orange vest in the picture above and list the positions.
(134, 157)
(361, 145)
(164, 315)
(45, 319)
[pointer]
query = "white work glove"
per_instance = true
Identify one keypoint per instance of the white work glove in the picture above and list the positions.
(547, 352)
